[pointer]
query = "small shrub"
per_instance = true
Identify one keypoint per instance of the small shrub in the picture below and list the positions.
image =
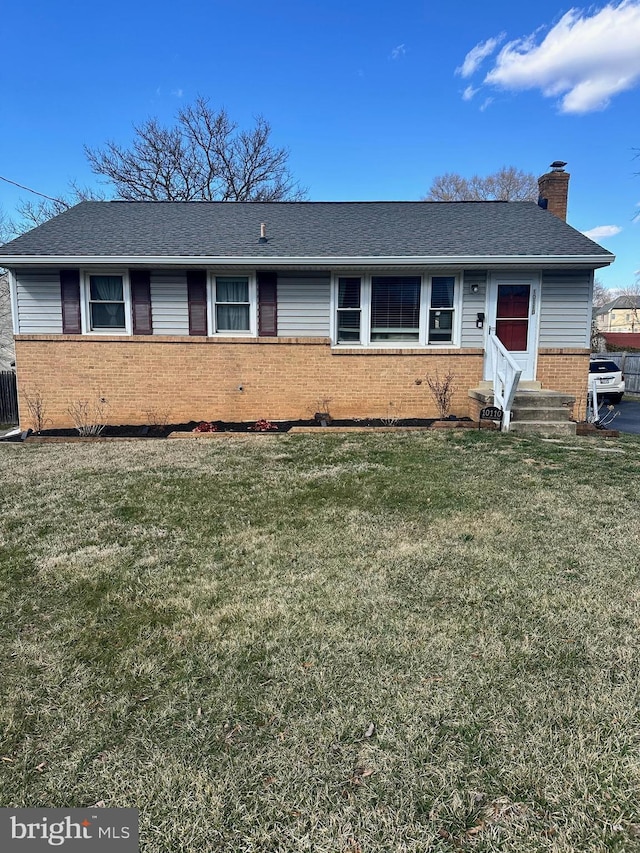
(263, 426)
(322, 414)
(89, 419)
(206, 426)
(392, 417)
(442, 390)
(157, 417)
(322, 404)
(37, 409)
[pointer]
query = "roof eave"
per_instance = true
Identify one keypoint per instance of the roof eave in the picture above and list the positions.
(592, 261)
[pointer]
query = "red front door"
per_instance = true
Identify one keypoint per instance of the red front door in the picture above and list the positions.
(512, 316)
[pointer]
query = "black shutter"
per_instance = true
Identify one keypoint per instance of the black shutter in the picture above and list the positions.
(197, 296)
(141, 301)
(267, 303)
(70, 295)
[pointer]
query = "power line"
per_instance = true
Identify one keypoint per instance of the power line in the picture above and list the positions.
(35, 192)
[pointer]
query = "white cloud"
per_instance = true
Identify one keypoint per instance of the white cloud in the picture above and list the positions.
(585, 58)
(602, 231)
(468, 93)
(398, 51)
(474, 59)
(178, 93)
(487, 102)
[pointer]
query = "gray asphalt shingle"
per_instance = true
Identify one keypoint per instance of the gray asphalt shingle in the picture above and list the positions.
(304, 229)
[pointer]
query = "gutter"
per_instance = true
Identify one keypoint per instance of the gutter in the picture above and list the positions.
(593, 261)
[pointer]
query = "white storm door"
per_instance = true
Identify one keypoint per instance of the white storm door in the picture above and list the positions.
(513, 309)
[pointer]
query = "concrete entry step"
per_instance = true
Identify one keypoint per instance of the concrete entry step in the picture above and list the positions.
(534, 410)
(540, 413)
(546, 399)
(544, 427)
(524, 385)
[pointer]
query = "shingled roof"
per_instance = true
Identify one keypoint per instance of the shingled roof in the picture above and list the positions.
(620, 302)
(304, 230)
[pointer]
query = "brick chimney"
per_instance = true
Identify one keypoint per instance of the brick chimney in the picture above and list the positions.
(554, 189)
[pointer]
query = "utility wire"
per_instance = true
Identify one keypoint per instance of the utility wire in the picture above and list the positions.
(35, 192)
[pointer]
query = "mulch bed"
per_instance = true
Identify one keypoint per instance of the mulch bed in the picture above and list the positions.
(129, 431)
(592, 429)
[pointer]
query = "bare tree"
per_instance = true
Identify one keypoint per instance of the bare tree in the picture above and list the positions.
(7, 228)
(600, 294)
(507, 184)
(204, 156)
(34, 213)
(7, 351)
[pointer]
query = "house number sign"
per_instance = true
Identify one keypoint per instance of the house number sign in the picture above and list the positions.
(491, 413)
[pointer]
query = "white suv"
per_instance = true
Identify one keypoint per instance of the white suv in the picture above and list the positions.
(608, 379)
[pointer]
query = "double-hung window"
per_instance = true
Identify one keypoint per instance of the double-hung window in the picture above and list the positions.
(232, 304)
(441, 309)
(106, 302)
(349, 310)
(411, 310)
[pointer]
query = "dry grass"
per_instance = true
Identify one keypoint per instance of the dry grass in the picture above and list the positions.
(207, 632)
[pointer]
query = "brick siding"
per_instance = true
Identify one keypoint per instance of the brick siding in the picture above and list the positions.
(566, 370)
(282, 378)
(199, 378)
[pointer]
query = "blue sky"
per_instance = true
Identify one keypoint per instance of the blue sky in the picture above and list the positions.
(373, 99)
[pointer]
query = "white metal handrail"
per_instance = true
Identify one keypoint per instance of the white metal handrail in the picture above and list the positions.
(593, 405)
(505, 375)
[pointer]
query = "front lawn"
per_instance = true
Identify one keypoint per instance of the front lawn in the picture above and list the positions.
(341, 644)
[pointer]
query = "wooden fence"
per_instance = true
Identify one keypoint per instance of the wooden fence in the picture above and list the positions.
(629, 363)
(8, 398)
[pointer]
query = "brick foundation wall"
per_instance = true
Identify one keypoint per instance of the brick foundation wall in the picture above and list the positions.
(475, 407)
(199, 378)
(566, 370)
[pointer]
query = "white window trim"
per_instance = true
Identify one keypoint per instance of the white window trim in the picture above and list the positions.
(456, 330)
(252, 331)
(333, 302)
(425, 307)
(85, 311)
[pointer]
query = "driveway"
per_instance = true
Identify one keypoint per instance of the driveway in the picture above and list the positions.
(629, 418)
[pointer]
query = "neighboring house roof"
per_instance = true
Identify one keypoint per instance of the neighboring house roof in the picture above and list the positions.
(312, 231)
(619, 303)
(624, 340)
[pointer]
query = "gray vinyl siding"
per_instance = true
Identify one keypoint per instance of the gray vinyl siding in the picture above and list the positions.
(39, 302)
(565, 308)
(169, 304)
(472, 304)
(304, 305)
